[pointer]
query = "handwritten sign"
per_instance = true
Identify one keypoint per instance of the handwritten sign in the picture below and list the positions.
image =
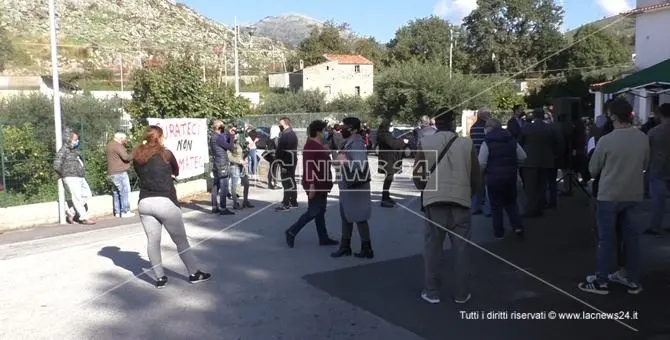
(187, 139)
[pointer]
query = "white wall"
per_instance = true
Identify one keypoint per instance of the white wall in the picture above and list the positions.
(335, 79)
(652, 44)
(125, 95)
(253, 97)
(279, 80)
(645, 3)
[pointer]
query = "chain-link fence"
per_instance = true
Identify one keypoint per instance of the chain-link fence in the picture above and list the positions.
(298, 120)
(302, 120)
(28, 145)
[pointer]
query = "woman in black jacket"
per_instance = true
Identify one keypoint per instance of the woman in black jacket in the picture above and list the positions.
(157, 168)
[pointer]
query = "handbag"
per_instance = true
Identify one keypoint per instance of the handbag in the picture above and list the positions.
(434, 166)
(224, 170)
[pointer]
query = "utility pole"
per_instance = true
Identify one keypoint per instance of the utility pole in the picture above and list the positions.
(451, 50)
(121, 67)
(56, 98)
(237, 61)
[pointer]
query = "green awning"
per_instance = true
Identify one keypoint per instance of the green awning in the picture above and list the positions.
(655, 78)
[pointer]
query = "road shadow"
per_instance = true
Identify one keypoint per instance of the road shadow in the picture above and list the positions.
(255, 292)
(558, 248)
(134, 263)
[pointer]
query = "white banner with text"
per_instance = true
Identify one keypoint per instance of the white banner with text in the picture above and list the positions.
(187, 139)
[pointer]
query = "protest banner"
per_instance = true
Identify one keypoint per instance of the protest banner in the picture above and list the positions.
(187, 139)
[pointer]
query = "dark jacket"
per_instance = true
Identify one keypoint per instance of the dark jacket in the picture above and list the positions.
(68, 161)
(477, 134)
(650, 124)
(316, 167)
(561, 155)
(390, 158)
(156, 177)
(514, 128)
(219, 144)
(423, 132)
(501, 166)
(287, 148)
(540, 142)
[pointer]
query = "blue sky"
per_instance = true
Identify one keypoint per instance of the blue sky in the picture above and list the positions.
(381, 18)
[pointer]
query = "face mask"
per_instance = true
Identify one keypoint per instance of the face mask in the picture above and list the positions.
(326, 134)
(75, 144)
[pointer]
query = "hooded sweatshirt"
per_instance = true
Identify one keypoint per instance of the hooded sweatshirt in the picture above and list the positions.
(68, 162)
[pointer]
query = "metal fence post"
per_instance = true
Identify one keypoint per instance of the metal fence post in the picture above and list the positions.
(2, 158)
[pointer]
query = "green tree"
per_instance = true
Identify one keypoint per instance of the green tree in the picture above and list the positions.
(412, 89)
(176, 89)
(371, 49)
(575, 84)
(349, 104)
(28, 142)
(597, 48)
(514, 35)
(6, 49)
(428, 39)
(328, 38)
(294, 102)
(27, 159)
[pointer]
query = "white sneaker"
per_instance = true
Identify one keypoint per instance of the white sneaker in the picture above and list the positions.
(463, 300)
(430, 297)
(128, 215)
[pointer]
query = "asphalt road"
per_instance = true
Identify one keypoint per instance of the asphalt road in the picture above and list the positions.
(71, 283)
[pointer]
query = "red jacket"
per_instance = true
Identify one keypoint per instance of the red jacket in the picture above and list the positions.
(316, 167)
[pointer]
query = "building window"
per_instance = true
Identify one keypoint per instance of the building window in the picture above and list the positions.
(358, 91)
(357, 68)
(327, 88)
(327, 68)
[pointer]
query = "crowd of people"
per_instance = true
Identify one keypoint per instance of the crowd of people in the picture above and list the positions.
(479, 174)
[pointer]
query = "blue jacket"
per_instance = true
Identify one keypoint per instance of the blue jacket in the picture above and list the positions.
(219, 144)
(502, 162)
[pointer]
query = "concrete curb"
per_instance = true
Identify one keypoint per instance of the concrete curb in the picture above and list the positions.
(25, 216)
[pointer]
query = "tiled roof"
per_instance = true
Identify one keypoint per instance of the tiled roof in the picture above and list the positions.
(646, 9)
(348, 59)
(599, 85)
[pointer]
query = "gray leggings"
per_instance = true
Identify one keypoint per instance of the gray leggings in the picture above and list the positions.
(156, 212)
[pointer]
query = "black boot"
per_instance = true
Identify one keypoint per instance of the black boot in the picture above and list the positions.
(366, 251)
(344, 250)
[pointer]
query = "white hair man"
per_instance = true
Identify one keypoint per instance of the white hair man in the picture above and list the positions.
(477, 134)
(118, 162)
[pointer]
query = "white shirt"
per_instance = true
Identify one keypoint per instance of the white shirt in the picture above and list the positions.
(274, 131)
(590, 145)
(251, 143)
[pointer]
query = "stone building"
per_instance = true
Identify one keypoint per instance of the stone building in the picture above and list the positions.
(338, 75)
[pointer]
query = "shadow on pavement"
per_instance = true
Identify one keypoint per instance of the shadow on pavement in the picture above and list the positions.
(558, 248)
(134, 263)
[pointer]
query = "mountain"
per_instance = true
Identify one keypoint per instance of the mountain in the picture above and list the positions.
(99, 34)
(290, 29)
(622, 27)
